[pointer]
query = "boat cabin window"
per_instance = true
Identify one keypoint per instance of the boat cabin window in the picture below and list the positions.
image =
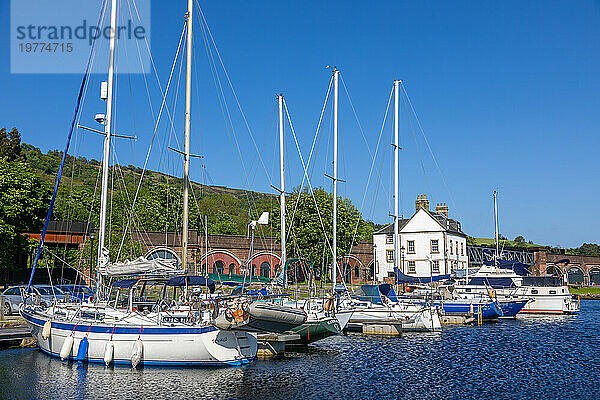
(534, 291)
(467, 290)
(553, 292)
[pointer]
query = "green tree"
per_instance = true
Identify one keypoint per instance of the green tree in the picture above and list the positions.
(519, 239)
(10, 145)
(311, 230)
(24, 199)
(586, 249)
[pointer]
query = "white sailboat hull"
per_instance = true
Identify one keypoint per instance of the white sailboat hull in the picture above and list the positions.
(413, 318)
(162, 345)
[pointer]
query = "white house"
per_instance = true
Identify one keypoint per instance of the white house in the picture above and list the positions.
(431, 244)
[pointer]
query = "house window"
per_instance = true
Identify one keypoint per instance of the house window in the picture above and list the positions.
(389, 256)
(435, 266)
(435, 247)
(462, 249)
(457, 248)
(389, 238)
(451, 247)
(411, 267)
(356, 271)
(410, 247)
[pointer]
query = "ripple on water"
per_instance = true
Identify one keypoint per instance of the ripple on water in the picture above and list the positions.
(540, 357)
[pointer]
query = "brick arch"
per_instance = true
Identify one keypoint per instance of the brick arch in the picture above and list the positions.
(224, 256)
(571, 271)
(355, 265)
(271, 258)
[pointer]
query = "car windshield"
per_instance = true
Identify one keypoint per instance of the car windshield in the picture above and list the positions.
(66, 289)
(47, 291)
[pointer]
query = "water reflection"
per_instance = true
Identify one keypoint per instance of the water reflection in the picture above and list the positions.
(531, 357)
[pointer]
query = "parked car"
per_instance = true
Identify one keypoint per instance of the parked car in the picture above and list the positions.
(13, 297)
(78, 292)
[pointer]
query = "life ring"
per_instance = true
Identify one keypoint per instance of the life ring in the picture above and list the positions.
(228, 315)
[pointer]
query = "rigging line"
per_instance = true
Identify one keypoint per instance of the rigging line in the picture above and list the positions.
(428, 146)
(319, 125)
(412, 131)
(311, 150)
(127, 201)
(374, 158)
(305, 172)
(46, 249)
(154, 70)
(233, 91)
(228, 120)
(155, 131)
(62, 163)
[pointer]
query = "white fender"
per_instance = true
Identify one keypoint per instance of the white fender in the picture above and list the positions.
(46, 330)
(109, 351)
(65, 350)
(138, 351)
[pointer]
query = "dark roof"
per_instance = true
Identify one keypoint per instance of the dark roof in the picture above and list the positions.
(388, 229)
(70, 227)
(449, 224)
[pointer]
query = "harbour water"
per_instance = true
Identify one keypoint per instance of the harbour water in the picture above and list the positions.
(542, 357)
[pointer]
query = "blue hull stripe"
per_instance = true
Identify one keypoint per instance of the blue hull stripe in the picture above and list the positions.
(120, 330)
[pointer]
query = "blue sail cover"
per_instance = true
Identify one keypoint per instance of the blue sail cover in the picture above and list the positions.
(496, 283)
(518, 267)
(125, 283)
(192, 280)
(369, 293)
(388, 291)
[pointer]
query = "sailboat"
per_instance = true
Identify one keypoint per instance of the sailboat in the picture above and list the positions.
(321, 321)
(369, 304)
(510, 281)
(106, 333)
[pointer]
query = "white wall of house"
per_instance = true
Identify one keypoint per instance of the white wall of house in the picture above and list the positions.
(428, 249)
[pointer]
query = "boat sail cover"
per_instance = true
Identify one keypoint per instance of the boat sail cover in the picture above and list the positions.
(139, 266)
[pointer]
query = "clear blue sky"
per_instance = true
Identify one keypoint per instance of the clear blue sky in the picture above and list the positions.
(507, 92)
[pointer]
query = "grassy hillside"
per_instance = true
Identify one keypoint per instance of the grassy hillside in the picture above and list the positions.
(158, 206)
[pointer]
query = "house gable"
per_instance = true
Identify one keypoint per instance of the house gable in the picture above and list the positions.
(422, 221)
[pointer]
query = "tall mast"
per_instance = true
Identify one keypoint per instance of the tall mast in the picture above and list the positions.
(396, 148)
(282, 181)
(497, 256)
(336, 74)
(186, 156)
(107, 133)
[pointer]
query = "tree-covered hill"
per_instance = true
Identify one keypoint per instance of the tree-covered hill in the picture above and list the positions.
(158, 206)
